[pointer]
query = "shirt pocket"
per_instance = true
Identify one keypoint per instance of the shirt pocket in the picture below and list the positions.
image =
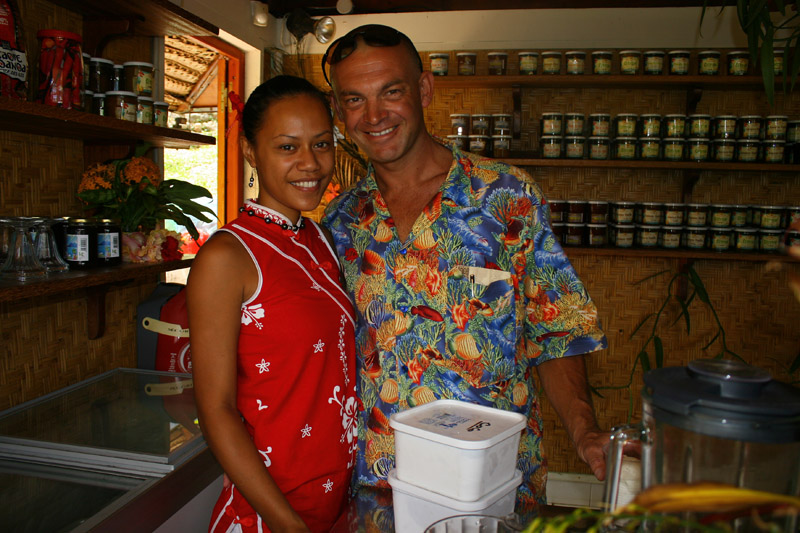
(481, 335)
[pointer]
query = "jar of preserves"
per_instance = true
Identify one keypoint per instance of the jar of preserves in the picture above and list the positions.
(647, 236)
(440, 63)
(792, 215)
(750, 127)
(696, 214)
(671, 237)
(559, 231)
(118, 80)
(738, 63)
(624, 235)
(674, 149)
(699, 149)
(696, 237)
(501, 124)
(81, 244)
(108, 243)
(720, 239)
(771, 216)
(720, 215)
(550, 146)
(576, 211)
(498, 62)
(501, 146)
(700, 126)
(745, 239)
(466, 63)
(793, 131)
(625, 148)
(596, 234)
(551, 124)
(98, 103)
(739, 214)
(576, 62)
(769, 240)
(551, 62)
(674, 214)
(102, 75)
(675, 126)
(480, 124)
(725, 127)
(649, 148)
(774, 151)
(479, 144)
(747, 150)
(623, 212)
(777, 62)
(122, 105)
(724, 150)
(651, 214)
(708, 62)
(601, 62)
(598, 147)
(575, 147)
(598, 212)
(775, 127)
(651, 125)
(144, 110)
(654, 62)
(528, 63)
(599, 124)
(630, 62)
(459, 124)
(138, 77)
(679, 62)
(574, 123)
(574, 234)
(625, 125)
(558, 210)
(459, 141)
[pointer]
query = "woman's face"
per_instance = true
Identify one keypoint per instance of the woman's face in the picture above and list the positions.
(293, 154)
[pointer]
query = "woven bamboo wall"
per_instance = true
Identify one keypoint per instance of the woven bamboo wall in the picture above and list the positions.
(44, 344)
(754, 304)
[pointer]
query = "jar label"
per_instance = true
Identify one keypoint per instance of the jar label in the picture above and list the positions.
(575, 65)
(160, 117)
(676, 127)
(724, 152)
(466, 67)
(673, 151)
(649, 238)
(575, 218)
(497, 65)
(751, 130)
(770, 220)
(739, 218)
(721, 242)
(726, 126)
(629, 64)
(748, 153)
(696, 240)
(651, 127)
(108, 245)
(596, 239)
(598, 151)
(624, 240)
(699, 127)
(651, 216)
(737, 66)
(77, 248)
(720, 219)
(770, 242)
(551, 126)
(528, 64)
(144, 114)
(439, 65)
(602, 65)
(626, 150)
(673, 218)
(624, 215)
(575, 150)
(143, 82)
(125, 111)
(626, 128)
(552, 150)
(551, 65)
(699, 152)
(574, 126)
(654, 64)
(696, 218)
(773, 154)
(502, 123)
(776, 129)
(650, 150)
(600, 128)
(679, 65)
(745, 241)
(671, 240)
(477, 146)
(709, 65)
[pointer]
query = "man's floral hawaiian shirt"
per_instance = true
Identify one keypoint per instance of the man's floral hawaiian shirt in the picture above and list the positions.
(479, 294)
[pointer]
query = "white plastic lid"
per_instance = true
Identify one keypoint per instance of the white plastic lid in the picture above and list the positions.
(459, 505)
(137, 64)
(458, 424)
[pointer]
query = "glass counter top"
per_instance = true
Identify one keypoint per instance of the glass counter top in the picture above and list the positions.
(125, 420)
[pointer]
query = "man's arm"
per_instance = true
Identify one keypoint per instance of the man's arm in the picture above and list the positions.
(566, 386)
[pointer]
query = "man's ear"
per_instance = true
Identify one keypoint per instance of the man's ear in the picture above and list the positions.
(426, 88)
(335, 107)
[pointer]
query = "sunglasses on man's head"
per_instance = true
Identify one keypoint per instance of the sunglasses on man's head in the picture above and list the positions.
(372, 34)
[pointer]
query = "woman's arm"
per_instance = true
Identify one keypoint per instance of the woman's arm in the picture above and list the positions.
(221, 278)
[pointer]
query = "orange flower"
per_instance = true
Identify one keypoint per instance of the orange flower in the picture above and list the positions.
(97, 176)
(139, 168)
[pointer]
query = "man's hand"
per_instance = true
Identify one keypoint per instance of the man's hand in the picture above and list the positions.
(592, 449)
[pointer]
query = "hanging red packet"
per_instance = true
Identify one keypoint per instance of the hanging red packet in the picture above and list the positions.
(13, 61)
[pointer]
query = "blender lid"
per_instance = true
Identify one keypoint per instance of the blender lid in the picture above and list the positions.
(725, 398)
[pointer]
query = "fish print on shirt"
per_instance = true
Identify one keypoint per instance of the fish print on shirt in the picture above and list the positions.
(251, 314)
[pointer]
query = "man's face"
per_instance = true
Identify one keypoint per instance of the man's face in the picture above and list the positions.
(379, 95)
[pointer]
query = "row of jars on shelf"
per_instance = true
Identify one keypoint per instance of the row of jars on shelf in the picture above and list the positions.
(630, 62)
(34, 247)
(718, 239)
(673, 214)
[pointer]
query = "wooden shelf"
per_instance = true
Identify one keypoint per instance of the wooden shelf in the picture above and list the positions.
(585, 81)
(147, 17)
(661, 165)
(84, 279)
(40, 119)
(754, 257)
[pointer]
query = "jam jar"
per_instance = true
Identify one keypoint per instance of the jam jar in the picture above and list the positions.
(599, 124)
(699, 149)
(708, 62)
(551, 62)
(775, 127)
(671, 236)
(576, 211)
(574, 234)
(651, 214)
(109, 239)
(558, 210)
(122, 105)
(528, 63)
(769, 240)
(654, 62)
(625, 125)
(139, 77)
(771, 216)
(650, 148)
(501, 124)
(720, 239)
(793, 131)
(576, 62)
(552, 124)
(774, 151)
(440, 63)
(747, 150)
(623, 212)
(479, 144)
(598, 147)
(696, 214)
(459, 141)
(777, 62)
(675, 126)
(750, 127)
(598, 212)
(679, 62)
(724, 150)
(738, 63)
(550, 146)
(624, 235)
(459, 124)
(625, 148)
(700, 126)
(696, 237)
(81, 244)
(596, 234)
(720, 215)
(466, 63)
(575, 147)
(745, 239)
(501, 146)
(651, 125)
(674, 149)
(574, 123)
(739, 215)
(647, 236)
(601, 62)
(630, 62)
(674, 214)
(480, 124)
(498, 62)
(725, 127)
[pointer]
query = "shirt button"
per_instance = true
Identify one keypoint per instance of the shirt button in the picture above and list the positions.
(403, 251)
(404, 308)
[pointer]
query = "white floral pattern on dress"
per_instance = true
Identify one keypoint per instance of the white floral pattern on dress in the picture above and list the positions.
(349, 413)
(267, 461)
(263, 366)
(342, 348)
(251, 314)
(305, 432)
(328, 486)
(318, 346)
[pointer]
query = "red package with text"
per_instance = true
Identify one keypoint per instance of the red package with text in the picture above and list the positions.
(13, 61)
(60, 69)
(172, 348)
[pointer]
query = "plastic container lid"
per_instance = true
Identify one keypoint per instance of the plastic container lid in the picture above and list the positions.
(59, 34)
(137, 64)
(458, 424)
(101, 60)
(452, 503)
(121, 93)
(724, 398)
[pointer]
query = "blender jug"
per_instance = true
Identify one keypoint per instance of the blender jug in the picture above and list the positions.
(714, 420)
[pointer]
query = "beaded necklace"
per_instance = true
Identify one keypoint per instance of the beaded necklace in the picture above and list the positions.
(269, 220)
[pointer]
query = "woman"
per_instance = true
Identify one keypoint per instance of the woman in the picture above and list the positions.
(272, 330)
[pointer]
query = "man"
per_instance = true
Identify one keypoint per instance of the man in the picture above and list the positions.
(460, 286)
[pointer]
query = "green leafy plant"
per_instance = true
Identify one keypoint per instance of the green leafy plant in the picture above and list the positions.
(132, 192)
(764, 36)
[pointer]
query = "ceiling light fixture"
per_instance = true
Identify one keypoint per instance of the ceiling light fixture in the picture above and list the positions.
(300, 24)
(259, 11)
(343, 7)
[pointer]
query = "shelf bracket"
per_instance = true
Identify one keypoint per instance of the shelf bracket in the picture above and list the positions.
(516, 114)
(690, 179)
(96, 311)
(98, 33)
(693, 97)
(683, 284)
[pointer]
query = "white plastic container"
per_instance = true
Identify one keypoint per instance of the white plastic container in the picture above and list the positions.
(457, 449)
(415, 508)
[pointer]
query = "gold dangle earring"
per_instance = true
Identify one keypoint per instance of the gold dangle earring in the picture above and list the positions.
(252, 178)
